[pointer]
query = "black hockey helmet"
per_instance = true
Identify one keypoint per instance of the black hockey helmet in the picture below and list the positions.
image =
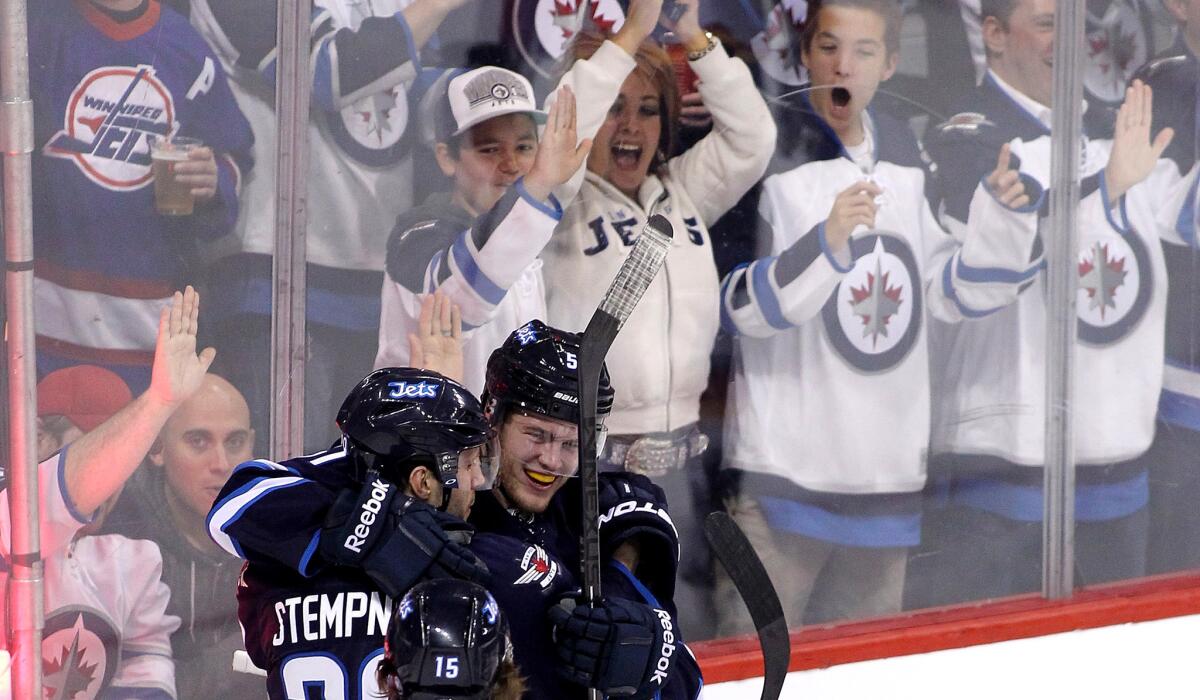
(446, 639)
(536, 370)
(400, 417)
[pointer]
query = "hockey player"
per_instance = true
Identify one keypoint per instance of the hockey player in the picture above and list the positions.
(661, 358)
(830, 407)
(528, 534)
(107, 632)
(105, 77)
(481, 245)
(381, 510)
(449, 639)
(987, 436)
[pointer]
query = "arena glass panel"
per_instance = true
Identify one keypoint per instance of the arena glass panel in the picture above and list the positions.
(917, 337)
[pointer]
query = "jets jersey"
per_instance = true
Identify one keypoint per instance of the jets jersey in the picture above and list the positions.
(660, 362)
(106, 633)
(990, 376)
(106, 261)
(365, 71)
(832, 368)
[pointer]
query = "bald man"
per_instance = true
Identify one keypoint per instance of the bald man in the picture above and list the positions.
(167, 502)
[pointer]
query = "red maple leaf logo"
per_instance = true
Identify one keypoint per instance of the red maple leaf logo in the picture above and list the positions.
(569, 8)
(541, 565)
(74, 680)
(860, 293)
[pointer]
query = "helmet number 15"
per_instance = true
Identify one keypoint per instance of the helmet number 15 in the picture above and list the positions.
(446, 667)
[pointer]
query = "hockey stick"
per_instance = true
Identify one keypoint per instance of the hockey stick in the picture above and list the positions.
(730, 545)
(627, 288)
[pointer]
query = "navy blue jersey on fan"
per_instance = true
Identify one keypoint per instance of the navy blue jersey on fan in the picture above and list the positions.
(102, 84)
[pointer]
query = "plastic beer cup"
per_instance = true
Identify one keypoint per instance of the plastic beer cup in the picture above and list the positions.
(171, 197)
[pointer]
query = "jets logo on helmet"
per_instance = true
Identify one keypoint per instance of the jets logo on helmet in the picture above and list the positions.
(405, 390)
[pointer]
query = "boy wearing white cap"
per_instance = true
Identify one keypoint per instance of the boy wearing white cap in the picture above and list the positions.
(479, 244)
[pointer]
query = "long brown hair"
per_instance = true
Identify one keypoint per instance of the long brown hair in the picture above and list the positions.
(654, 65)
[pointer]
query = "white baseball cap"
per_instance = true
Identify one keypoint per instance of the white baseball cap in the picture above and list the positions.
(484, 93)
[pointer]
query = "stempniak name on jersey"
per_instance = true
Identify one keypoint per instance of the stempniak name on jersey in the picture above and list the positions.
(319, 616)
(663, 666)
(368, 514)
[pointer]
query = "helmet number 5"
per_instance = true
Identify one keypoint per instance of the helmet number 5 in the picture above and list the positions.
(572, 362)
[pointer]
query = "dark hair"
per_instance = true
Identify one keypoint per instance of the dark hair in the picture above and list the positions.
(889, 10)
(655, 66)
(1000, 9)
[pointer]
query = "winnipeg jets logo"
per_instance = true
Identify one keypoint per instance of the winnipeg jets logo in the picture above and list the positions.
(556, 22)
(537, 567)
(108, 118)
(408, 390)
(777, 47)
(874, 316)
(526, 334)
(876, 303)
(79, 654)
(1116, 45)
(1114, 288)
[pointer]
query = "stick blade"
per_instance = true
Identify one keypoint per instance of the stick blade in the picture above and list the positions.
(750, 577)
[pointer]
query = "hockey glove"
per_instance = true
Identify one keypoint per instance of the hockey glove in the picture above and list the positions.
(632, 506)
(393, 538)
(622, 648)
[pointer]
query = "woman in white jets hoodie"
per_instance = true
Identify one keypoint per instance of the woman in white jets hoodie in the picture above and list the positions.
(660, 362)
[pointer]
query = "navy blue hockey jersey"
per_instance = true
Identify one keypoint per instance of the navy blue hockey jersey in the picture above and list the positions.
(105, 260)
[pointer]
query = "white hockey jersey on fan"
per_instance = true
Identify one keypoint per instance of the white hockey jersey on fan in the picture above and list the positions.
(660, 361)
(832, 373)
(107, 633)
(359, 162)
(990, 377)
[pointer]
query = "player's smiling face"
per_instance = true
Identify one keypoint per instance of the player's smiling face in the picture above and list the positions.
(537, 456)
(848, 50)
(628, 139)
(491, 157)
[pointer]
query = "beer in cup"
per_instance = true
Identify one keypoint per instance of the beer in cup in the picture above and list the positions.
(171, 197)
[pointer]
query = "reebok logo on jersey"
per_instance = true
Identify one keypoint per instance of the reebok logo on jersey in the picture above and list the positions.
(406, 390)
(367, 516)
(108, 118)
(662, 667)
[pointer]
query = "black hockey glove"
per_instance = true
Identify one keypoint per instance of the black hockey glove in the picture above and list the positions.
(632, 506)
(395, 539)
(622, 648)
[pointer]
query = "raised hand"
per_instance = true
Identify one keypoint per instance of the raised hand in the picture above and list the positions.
(1005, 183)
(693, 112)
(854, 206)
(640, 20)
(178, 370)
(1133, 154)
(437, 344)
(559, 156)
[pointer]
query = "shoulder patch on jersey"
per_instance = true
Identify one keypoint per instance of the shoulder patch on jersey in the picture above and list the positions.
(873, 317)
(537, 567)
(1116, 281)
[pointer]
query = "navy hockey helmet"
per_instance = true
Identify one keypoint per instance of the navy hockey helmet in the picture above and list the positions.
(399, 417)
(536, 370)
(446, 639)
